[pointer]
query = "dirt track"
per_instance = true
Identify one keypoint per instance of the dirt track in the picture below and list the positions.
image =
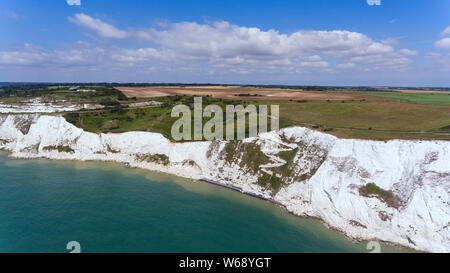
(237, 93)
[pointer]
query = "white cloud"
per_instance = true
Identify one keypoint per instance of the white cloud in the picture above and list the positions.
(446, 31)
(28, 57)
(222, 40)
(390, 41)
(142, 55)
(73, 2)
(218, 48)
(80, 54)
(408, 52)
(101, 28)
(12, 15)
(320, 64)
(314, 62)
(442, 60)
(346, 66)
(443, 43)
(393, 21)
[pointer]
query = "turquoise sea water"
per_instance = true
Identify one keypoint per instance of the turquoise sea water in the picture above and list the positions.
(109, 208)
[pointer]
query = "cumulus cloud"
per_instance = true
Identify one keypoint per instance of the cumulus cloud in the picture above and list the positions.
(73, 2)
(390, 41)
(101, 28)
(28, 55)
(442, 60)
(79, 54)
(314, 62)
(443, 43)
(446, 31)
(219, 48)
(346, 66)
(222, 41)
(393, 21)
(408, 52)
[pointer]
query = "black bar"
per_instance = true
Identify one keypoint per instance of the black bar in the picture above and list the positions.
(234, 262)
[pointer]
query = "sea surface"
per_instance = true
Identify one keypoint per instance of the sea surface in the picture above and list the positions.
(106, 207)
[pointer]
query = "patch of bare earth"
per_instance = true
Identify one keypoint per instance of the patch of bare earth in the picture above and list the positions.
(238, 93)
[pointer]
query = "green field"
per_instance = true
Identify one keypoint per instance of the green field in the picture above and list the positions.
(432, 98)
(119, 119)
(381, 120)
(152, 118)
(377, 115)
(435, 98)
(392, 115)
(58, 93)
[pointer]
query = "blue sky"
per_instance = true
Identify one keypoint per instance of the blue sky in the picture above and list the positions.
(321, 42)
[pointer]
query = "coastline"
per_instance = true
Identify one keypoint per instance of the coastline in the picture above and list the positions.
(225, 186)
(243, 192)
(391, 248)
(87, 146)
(262, 198)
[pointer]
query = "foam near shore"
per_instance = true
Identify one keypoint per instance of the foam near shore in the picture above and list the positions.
(327, 173)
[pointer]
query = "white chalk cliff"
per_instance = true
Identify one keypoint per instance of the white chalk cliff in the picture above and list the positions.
(326, 174)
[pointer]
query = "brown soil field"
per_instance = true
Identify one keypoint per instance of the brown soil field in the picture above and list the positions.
(238, 93)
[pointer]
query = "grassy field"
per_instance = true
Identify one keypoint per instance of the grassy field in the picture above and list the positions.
(57, 93)
(376, 115)
(119, 119)
(152, 118)
(392, 115)
(434, 98)
(381, 120)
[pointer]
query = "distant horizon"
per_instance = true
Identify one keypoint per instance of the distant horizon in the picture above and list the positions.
(225, 84)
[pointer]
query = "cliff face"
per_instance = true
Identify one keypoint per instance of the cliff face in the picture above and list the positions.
(396, 191)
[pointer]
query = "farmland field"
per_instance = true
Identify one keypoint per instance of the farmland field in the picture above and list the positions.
(427, 98)
(239, 93)
(421, 96)
(364, 119)
(346, 113)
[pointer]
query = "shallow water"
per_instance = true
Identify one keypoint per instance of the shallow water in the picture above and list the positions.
(109, 208)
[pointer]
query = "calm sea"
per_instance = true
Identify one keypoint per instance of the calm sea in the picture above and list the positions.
(109, 208)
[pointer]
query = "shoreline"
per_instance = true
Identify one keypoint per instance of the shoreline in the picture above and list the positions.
(243, 192)
(315, 198)
(352, 240)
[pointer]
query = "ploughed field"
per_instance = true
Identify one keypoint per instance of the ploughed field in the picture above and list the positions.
(237, 93)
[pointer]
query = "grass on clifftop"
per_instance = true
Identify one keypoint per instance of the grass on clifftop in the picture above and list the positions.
(432, 98)
(421, 97)
(378, 120)
(394, 114)
(118, 118)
